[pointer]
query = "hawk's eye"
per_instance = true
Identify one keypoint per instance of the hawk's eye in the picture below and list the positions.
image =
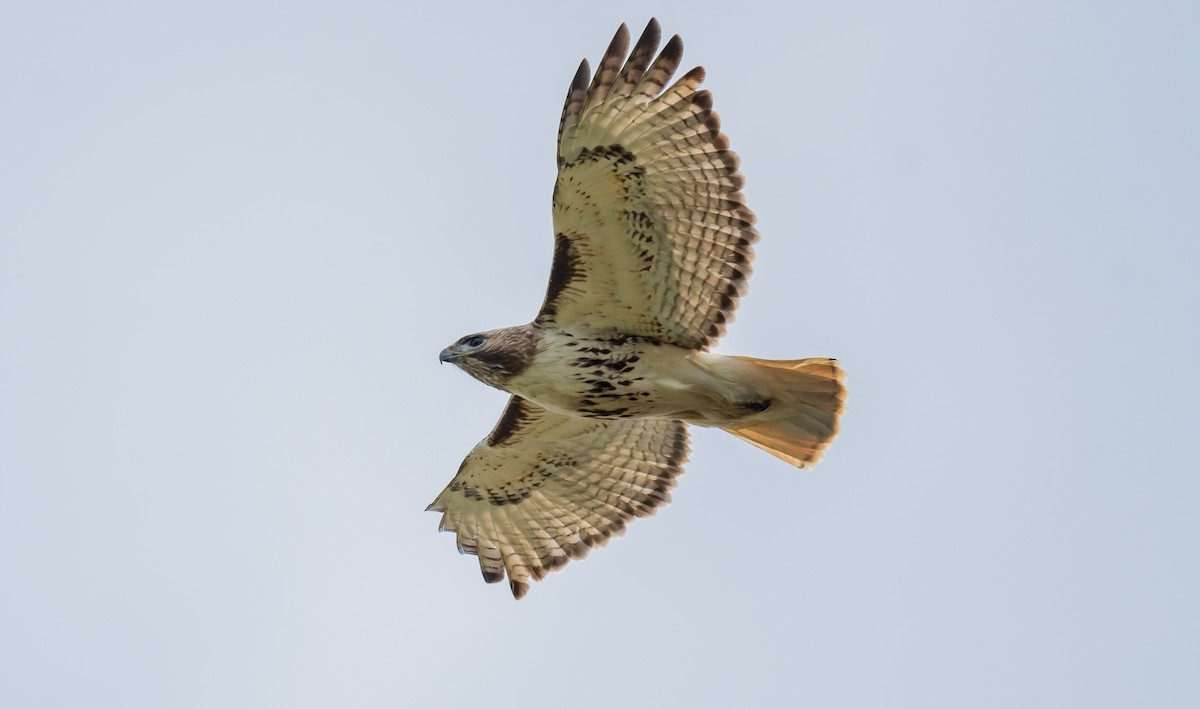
(474, 341)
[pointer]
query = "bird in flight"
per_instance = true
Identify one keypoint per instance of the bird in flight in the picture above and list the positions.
(652, 250)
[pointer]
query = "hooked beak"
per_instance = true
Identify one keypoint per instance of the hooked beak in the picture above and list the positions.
(447, 355)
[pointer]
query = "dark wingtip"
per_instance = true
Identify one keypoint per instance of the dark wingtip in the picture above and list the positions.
(674, 48)
(519, 589)
(582, 76)
(619, 44)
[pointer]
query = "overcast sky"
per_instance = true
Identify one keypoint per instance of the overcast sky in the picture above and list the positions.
(234, 237)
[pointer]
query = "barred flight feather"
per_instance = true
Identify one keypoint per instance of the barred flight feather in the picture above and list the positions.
(629, 146)
(601, 475)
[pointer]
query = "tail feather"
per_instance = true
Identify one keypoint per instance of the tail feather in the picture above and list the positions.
(808, 396)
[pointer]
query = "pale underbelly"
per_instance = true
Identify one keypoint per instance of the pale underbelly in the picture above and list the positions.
(603, 380)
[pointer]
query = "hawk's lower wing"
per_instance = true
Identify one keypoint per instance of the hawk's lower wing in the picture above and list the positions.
(544, 488)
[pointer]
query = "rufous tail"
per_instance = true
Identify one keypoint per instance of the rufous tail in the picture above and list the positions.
(808, 396)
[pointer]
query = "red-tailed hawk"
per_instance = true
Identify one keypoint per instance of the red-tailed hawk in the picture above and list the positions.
(652, 249)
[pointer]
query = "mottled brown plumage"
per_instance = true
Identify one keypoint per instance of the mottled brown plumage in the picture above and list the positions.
(652, 251)
(544, 488)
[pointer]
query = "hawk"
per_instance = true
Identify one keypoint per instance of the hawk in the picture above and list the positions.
(652, 250)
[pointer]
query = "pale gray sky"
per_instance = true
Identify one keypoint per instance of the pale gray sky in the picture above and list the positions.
(234, 237)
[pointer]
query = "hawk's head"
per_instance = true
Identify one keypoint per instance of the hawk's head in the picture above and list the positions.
(495, 356)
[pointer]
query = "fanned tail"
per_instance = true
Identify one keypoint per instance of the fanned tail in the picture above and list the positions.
(807, 397)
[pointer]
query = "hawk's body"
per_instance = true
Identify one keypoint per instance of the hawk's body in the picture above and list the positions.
(652, 251)
(636, 377)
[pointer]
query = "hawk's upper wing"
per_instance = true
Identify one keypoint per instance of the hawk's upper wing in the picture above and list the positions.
(652, 236)
(544, 488)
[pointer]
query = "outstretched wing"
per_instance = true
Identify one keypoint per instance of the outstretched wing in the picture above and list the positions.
(544, 488)
(652, 235)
